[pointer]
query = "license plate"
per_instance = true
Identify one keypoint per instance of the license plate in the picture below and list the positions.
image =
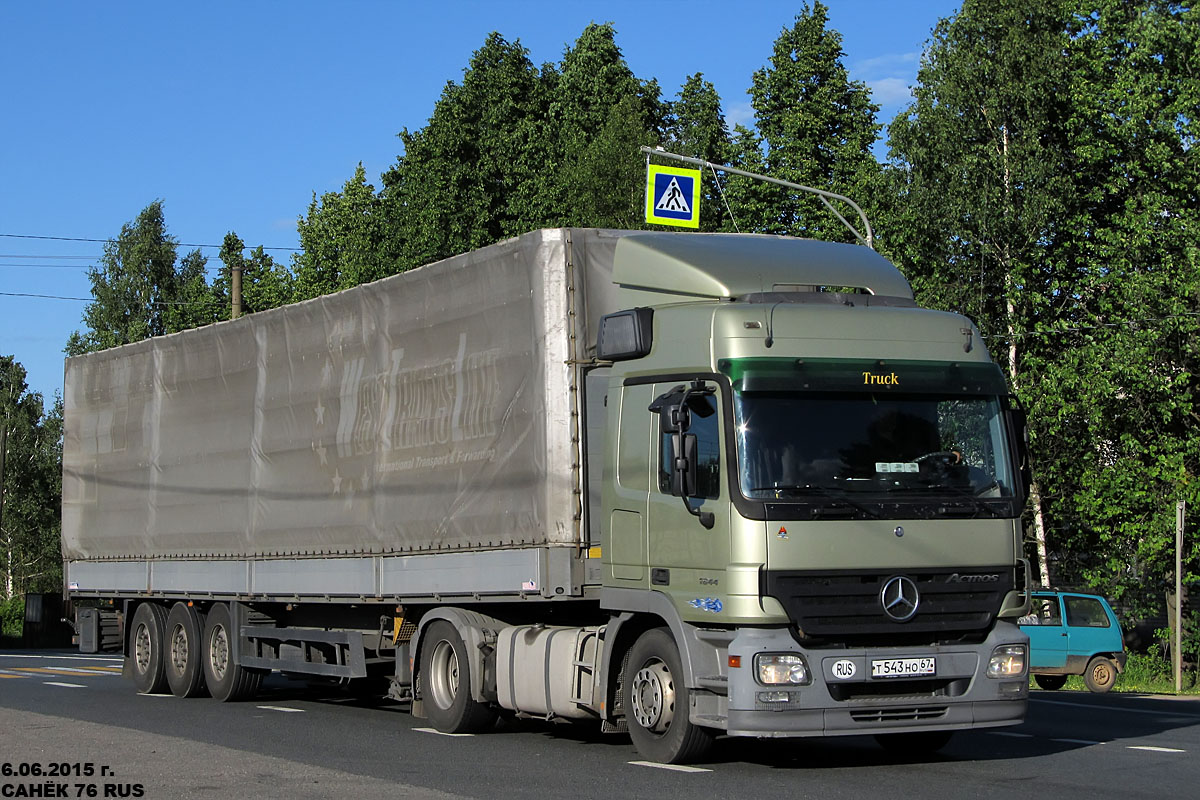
(903, 667)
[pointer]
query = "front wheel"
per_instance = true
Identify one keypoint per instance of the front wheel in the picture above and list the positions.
(446, 683)
(656, 703)
(1101, 674)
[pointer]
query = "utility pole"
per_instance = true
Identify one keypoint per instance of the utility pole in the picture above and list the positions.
(236, 280)
(1177, 650)
(3, 449)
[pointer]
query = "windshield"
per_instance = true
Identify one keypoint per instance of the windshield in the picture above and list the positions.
(795, 443)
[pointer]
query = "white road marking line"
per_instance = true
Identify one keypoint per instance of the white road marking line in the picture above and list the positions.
(66, 685)
(672, 767)
(1076, 741)
(439, 733)
(1181, 718)
(1155, 749)
(283, 708)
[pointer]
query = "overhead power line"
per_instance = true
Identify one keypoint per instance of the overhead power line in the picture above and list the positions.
(46, 266)
(106, 241)
(46, 296)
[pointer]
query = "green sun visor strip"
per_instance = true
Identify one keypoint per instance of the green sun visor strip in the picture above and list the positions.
(857, 375)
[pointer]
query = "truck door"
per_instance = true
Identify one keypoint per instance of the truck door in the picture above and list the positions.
(1047, 634)
(687, 560)
(627, 477)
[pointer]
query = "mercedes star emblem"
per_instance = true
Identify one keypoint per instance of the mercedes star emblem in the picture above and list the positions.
(900, 598)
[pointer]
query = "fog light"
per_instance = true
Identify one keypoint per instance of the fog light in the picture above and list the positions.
(773, 697)
(1018, 687)
(1008, 661)
(774, 669)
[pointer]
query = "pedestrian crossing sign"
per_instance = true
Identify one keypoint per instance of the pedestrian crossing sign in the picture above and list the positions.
(673, 196)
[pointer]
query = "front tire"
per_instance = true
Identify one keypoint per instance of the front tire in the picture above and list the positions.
(656, 703)
(227, 680)
(146, 634)
(1101, 674)
(446, 683)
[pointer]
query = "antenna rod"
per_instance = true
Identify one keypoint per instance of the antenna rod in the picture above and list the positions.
(868, 239)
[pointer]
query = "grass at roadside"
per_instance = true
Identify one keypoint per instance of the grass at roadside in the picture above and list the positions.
(1145, 675)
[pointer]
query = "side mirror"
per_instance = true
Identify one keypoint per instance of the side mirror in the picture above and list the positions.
(675, 409)
(1020, 421)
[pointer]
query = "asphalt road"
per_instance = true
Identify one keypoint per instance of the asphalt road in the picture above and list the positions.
(61, 712)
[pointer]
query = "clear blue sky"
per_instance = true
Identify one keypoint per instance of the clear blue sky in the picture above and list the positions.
(235, 113)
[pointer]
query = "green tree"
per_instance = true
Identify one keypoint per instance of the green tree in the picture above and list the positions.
(31, 492)
(815, 126)
(139, 289)
(601, 115)
(983, 168)
(346, 239)
(194, 303)
(696, 128)
(265, 284)
(1115, 351)
(471, 176)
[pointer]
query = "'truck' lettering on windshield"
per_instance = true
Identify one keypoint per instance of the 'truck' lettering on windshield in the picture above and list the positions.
(870, 379)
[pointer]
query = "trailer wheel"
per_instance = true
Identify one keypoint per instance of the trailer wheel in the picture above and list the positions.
(185, 676)
(446, 683)
(656, 703)
(146, 648)
(1050, 682)
(227, 680)
(1101, 674)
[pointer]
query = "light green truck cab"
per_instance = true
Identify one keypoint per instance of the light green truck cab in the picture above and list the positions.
(853, 477)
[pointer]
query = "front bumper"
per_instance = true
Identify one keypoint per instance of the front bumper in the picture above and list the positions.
(843, 698)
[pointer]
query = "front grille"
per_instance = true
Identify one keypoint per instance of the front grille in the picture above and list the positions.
(913, 714)
(845, 604)
(894, 689)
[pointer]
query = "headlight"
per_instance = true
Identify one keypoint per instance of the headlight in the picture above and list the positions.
(1008, 661)
(774, 669)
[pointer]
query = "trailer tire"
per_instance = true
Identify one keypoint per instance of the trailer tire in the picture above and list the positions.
(1101, 674)
(181, 653)
(656, 703)
(227, 680)
(446, 683)
(146, 634)
(1050, 682)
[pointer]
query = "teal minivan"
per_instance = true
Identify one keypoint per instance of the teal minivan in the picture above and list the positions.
(1071, 633)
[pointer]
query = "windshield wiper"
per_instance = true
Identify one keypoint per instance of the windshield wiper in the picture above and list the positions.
(963, 502)
(837, 496)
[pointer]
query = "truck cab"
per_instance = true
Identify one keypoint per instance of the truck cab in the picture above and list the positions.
(818, 481)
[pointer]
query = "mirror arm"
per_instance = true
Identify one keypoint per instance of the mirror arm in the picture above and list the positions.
(707, 518)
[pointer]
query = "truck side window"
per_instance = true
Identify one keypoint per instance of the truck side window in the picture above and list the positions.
(1085, 612)
(708, 448)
